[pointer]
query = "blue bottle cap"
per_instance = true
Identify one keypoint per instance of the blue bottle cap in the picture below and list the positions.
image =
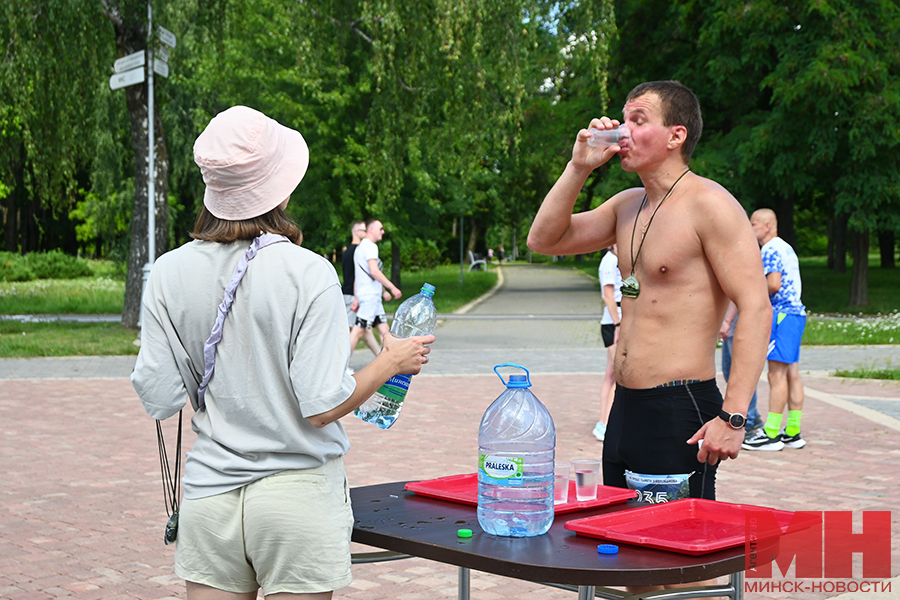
(428, 289)
(518, 381)
(608, 549)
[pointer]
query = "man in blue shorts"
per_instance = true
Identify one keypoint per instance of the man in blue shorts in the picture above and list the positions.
(782, 271)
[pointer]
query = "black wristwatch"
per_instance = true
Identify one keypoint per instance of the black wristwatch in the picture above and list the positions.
(735, 420)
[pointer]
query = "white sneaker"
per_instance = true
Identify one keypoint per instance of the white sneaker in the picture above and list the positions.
(599, 431)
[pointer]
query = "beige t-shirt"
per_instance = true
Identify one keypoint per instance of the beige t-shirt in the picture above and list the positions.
(283, 357)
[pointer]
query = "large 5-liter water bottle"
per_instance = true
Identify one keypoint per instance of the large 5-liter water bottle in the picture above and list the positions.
(516, 448)
(416, 316)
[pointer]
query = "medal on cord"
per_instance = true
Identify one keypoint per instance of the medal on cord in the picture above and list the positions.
(630, 286)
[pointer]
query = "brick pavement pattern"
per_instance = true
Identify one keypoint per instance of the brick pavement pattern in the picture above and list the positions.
(81, 503)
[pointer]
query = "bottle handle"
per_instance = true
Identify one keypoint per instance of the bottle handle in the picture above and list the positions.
(517, 366)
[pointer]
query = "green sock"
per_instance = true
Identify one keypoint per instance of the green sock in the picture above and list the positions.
(773, 424)
(793, 423)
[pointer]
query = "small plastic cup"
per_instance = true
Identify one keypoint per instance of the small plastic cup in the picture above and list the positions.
(561, 472)
(601, 138)
(587, 478)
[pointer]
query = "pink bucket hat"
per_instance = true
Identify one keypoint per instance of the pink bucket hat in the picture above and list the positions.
(250, 163)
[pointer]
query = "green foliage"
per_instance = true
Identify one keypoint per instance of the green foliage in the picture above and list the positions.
(31, 340)
(873, 372)
(13, 268)
(56, 265)
(84, 295)
(420, 255)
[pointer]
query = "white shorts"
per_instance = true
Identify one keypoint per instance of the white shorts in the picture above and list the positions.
(289, 532)
(369, 308)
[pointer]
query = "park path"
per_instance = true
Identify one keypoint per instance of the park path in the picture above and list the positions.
(81, 509)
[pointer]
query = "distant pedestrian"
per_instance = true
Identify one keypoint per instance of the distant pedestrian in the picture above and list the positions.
(357, 232)
(370, 285)
(726, 334)
(610, 284)
(782, 269)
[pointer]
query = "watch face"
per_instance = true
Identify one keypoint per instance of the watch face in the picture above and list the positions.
(737, 420)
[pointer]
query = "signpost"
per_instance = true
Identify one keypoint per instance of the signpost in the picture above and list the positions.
(130, 70)
(126, 63)
(120, 80)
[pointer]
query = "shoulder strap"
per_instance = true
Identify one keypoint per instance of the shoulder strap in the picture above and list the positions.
(209, 348)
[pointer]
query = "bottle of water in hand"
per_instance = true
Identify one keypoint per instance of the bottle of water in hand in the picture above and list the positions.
(416, 316)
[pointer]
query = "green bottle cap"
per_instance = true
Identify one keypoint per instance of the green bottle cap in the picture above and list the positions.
(464, 533)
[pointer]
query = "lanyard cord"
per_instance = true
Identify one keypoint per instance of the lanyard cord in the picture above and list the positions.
(171, 481)
(650, 222)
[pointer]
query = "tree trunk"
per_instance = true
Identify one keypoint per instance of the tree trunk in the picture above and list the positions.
(131, 34)
(837, 243)
(784, 212)
(887, 241)
(473, 235)
(859, 278)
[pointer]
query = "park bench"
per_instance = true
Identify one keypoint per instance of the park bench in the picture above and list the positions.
(473, 262)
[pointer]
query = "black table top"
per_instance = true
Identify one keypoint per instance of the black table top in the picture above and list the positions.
(389, 517)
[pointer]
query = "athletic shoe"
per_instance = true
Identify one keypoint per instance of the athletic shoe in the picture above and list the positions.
(792, 441)
(760, 441)
(599, 431)
(751, 433)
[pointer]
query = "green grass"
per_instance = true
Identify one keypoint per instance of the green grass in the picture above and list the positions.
(852, 330)
(873, 372)
(449, 294)
(84, 296)
(31, 340)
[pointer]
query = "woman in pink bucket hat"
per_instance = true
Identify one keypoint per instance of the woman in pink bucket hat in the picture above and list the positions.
(251, 328)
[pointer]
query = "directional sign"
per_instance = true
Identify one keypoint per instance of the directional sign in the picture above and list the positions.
(120, 80)
(166, 37)
(160, 67)
(126, 63)
(162, 53)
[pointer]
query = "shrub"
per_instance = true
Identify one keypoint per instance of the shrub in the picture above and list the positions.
(56, 265)
(420, 255)
(13, 268)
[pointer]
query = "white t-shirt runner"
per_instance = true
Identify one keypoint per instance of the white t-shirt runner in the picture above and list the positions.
(609, 275)
(366, 285)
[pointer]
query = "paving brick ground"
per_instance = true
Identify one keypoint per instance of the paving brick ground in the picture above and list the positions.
(82, 514)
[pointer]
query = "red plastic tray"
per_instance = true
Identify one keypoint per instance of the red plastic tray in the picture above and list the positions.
(688, 526)
(464, 489)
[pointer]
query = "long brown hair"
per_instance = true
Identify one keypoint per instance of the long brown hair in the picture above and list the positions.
(213, 229)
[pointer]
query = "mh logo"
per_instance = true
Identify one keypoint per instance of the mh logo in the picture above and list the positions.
(822, 543)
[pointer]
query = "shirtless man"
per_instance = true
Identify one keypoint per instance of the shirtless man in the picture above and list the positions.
(689, 245)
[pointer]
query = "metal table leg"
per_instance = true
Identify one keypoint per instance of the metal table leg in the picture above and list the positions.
(463, 585)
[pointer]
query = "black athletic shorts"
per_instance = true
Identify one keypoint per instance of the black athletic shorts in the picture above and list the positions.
(608, 333)
(378, 320)
(648, 428)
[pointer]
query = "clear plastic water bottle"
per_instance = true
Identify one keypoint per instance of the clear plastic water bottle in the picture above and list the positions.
(601, 138)
(516, 448)
(416, 316)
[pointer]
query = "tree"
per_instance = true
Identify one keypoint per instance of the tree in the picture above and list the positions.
(129, 19)
(48, 110)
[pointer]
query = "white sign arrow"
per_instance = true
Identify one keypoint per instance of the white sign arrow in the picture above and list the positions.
(166, 37)
(162, 53)
(161, 67)
(120, 80)
(126, 63)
